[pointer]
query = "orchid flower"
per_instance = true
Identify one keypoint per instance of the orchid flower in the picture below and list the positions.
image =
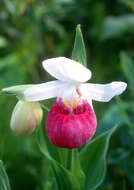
(71, 121)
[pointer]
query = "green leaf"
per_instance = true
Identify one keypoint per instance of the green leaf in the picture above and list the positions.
(123, 113)
(117, 155)
(107, 122)
(129, 3)
(4, 182)
(64, 178)
(113, 111)
(10, 6)
(128, 67)
(79, 52)
(3, 42)
(117, 26)
(93, 160)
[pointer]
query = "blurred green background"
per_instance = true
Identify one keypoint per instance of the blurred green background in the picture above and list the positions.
(34, 30)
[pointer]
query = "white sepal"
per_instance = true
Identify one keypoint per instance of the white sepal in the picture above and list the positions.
(66, 70)
(102, 92)
(43, 91)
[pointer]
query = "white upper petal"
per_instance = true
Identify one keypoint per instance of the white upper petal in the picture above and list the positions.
(102, 92)
(67, 70)
(43, 91)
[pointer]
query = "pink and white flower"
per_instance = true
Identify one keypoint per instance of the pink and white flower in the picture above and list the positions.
(71, 121)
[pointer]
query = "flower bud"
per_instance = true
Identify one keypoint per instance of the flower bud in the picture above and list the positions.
(26, 117)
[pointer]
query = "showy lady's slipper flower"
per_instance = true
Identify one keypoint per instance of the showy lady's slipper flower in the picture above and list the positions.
(26, 117)
(71, 121)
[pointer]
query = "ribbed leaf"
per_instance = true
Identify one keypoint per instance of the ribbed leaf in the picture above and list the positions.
(64, 178)
(79, 52)
(93, 160)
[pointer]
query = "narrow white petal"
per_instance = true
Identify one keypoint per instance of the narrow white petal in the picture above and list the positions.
(65, 69)
(102, 92)
(43, 91)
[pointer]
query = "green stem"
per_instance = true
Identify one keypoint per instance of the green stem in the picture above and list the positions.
(63, 155)
(45, 107)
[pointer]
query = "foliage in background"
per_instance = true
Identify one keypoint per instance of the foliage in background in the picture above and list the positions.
(31, 31)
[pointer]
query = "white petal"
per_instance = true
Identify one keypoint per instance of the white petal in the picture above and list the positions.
(43, 91)
(102, 92)
(65, 69)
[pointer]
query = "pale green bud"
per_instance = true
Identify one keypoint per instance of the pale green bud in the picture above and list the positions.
(26, 117)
